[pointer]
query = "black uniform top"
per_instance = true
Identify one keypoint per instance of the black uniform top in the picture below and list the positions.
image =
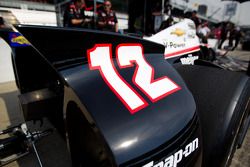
(196, 21)
(73, 13)
(109, 18)
(1, 21)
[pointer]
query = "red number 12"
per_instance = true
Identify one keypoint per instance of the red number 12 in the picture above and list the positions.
(128, 55)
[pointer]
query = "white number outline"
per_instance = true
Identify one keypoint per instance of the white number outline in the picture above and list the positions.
(152, 80)
(131, 110)
(132, 63)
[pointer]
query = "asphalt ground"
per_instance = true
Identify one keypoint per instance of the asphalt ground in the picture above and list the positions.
(53, 149)
(234, 60)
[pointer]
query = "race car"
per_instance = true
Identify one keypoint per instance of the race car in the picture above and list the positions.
(118, 102)
(182, 44)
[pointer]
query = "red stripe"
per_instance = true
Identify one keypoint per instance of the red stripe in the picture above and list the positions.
(182, 51)
(207, 45)
(92, 7)
(89, 8)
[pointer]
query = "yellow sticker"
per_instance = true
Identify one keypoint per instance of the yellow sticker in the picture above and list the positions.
(20, 40)
(179, 32)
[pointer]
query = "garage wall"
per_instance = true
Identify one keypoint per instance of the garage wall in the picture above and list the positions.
(6, 68)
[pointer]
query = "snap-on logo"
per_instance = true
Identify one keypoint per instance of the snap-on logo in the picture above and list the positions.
(174, 159)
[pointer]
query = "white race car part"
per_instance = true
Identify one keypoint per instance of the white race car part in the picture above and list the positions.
(178, 39)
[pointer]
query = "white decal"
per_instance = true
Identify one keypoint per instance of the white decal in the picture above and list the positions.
(144, 73)
(100, 58)
(173, 160)
(189, 60)
(173, 44)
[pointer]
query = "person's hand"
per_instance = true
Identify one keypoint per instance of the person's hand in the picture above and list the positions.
(87, 20)
(110, 23)
(102, 23)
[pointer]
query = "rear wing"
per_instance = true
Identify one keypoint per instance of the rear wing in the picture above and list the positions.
(58, 45)
(40, 52)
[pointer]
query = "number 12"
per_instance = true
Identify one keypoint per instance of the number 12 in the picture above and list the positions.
(128, 55)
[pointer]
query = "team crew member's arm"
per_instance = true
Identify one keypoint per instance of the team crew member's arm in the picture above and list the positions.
(100, 20)
(116, 23)
(101, 23)
(208, 32)
(77, 21)
(116, 27)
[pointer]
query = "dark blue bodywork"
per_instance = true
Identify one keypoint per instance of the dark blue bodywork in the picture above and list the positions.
(59, 58)
(148, 128)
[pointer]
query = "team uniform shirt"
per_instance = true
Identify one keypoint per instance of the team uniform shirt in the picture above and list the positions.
(73, 13)
(109, 18)
(204, 31)
(196, 21)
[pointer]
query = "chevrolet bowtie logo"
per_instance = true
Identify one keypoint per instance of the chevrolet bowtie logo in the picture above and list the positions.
(179, 32)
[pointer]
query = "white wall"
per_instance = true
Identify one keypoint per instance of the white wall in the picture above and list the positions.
(33, 17)
(6, 68)
(242, 12)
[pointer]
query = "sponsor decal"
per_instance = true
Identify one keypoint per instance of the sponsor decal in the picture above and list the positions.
(177, 157)
(17, 40)
(128, 56)
(189, 60)
(178, 32)
(173, 44)
(191, 34)
(182, 52)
